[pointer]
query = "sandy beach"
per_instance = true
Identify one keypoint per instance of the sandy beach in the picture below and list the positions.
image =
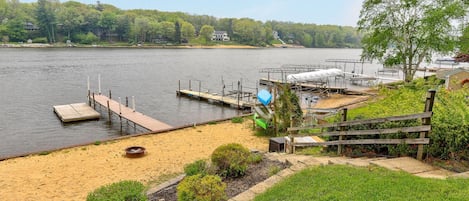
(71, 174)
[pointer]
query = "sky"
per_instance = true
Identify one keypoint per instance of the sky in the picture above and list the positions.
(335, 12)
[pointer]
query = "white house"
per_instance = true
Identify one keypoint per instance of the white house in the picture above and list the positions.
(220, 36)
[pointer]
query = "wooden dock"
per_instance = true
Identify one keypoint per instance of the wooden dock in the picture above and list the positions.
(227, 100)
(129, 114)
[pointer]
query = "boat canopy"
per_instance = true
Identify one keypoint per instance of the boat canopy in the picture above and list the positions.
(315, 75)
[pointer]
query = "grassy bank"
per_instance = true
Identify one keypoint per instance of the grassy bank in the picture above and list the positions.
(353, 183)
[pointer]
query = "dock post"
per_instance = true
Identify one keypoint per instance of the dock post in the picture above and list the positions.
(179, 87)
(99, 84)
(133, 103)
(88, 82)
(238, 93)
(94, 102)
(190, 88)
(200, 87)
(120, 112)
(126, 101)
(89, 98)
(110, 94)
(109, 112)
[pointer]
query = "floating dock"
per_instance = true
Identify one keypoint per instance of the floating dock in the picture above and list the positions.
(227, 100)
(75, 112)
(130, 114)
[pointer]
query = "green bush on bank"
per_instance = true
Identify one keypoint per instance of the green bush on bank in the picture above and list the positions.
(231, 160)
(124, 190)
(201, 188)
(197, 167)
(450, 120)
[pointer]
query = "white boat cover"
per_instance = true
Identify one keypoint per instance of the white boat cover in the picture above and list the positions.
(315, 75)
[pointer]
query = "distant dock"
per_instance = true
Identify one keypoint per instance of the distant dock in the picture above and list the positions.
(226, 100)
(130, 114)
(235, 98)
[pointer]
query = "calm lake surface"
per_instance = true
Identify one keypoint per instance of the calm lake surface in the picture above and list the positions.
(33, 80)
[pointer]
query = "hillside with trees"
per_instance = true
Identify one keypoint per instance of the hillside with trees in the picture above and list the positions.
(50, 21)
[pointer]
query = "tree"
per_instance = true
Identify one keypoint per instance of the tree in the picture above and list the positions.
(46, 16)
(167, 30)
(187, 31)
(407, 32)
(141, 28)
(16, 31)
(464, 41)
(206, 33)
(70, 19)
(248, 31)
(288, 109)
(177, 33)
(108, 21)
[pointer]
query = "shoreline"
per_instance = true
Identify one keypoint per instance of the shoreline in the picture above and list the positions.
(118, 138)
(42, 45)
(70, 174)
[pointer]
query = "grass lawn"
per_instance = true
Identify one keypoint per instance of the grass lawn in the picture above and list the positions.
(339, 182)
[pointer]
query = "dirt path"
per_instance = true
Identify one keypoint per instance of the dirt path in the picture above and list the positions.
(71, 174)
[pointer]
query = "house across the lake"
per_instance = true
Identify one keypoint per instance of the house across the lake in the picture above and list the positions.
(220, 36)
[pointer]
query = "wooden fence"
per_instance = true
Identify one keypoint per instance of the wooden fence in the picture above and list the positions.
(343, 130)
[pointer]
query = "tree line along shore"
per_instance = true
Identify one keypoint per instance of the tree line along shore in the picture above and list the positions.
(55, 22)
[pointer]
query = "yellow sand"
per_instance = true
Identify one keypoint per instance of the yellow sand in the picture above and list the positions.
(71, 173)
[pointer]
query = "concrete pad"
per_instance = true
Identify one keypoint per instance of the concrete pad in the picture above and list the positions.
(306, 139)
(75, 112)
(406, 164)
(435, 174)
(244, 196)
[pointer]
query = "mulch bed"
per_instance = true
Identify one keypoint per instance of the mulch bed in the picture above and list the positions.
(255, 174)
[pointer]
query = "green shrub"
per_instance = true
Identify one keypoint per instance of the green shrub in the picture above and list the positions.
(124, 190)
(197, 167)
(201, 188)
(255, 158)
(237, 120)
(231, 160)
(40, 40)
(88, 38)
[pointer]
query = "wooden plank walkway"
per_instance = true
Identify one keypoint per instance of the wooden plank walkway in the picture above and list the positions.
(217, 98)
(131, 115)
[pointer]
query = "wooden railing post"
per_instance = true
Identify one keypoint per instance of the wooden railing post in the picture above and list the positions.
(426, 121)
(342, 129)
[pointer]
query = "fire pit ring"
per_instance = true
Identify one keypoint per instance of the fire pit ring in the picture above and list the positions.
(134, 151)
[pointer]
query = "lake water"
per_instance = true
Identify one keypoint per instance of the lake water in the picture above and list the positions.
(33, 80)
